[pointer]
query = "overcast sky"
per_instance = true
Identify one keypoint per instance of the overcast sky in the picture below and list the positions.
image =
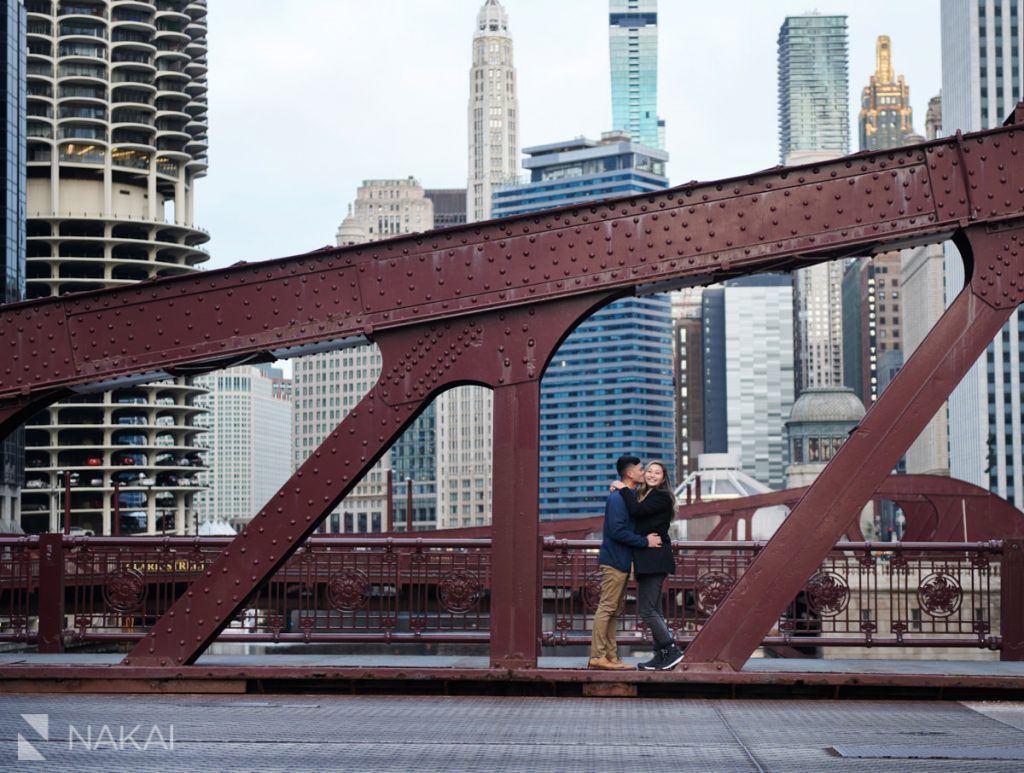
(310, 97)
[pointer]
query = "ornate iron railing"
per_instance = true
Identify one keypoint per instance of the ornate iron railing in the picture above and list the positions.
(863, 594)
(351, 589)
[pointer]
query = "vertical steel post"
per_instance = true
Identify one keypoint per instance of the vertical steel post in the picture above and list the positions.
(390, 514)
(515, 576)
(408, 504)
(67, 502)
(1011, 591)
(51, 593)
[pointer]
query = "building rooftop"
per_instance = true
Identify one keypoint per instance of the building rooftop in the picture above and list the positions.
(832, 404)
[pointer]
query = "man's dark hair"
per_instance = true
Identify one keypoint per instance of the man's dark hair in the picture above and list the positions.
(624, 463)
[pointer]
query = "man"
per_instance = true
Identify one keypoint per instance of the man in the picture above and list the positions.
(615, 559)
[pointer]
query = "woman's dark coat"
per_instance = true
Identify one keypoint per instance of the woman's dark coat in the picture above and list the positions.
(653, 515)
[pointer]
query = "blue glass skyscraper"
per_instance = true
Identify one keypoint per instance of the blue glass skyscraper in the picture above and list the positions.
(12, 263)
(608, 389)
(633, 54)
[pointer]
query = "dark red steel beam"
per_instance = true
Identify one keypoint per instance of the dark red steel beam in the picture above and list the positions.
(694, 234)
(910, 401)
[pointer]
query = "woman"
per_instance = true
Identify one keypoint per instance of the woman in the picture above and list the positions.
(653, 508)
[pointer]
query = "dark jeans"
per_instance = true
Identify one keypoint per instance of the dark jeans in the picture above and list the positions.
(648, 596)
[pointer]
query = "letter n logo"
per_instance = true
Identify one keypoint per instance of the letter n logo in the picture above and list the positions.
(41, 724)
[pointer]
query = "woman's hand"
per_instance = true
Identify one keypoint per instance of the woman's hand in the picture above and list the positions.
(616, 485)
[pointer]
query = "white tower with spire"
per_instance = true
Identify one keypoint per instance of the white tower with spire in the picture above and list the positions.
(464, 414)
(493, 138)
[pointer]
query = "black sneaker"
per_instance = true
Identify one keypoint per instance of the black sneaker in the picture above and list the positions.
(654, 663)
(670, 657)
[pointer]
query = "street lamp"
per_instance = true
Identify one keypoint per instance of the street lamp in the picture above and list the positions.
(63, 484)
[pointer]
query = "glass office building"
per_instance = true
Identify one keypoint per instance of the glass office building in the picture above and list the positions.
(12, 271)
(814, 86)
(608, 389)
(633, 55)
(981, 83)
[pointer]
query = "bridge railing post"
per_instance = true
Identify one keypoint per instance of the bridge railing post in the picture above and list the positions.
(1011, 592)
(51, 593)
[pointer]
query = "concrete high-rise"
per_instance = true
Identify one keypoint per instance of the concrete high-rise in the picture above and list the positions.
(12, 258)
(814, 125)
(981, 84)
(687, 365)
(449, 206)
(493, 110)
(608, 388)
(248, 443)
(748, 373)
(886, 117)
(117, 138)
(633, 56)
(923, 304)
(872, 324)
(818, 325)
(328, 385)
(463, 415)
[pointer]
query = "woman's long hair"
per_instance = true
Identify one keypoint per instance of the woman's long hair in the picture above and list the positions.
(643, 489)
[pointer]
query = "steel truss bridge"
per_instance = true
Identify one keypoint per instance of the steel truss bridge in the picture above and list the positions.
(489, 303)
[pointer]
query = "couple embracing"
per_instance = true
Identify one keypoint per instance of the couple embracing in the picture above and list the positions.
(636, 519)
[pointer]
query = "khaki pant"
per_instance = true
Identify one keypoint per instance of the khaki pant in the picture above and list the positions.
(606, 619)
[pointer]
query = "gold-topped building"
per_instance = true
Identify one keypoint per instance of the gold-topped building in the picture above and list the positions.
(885, 113)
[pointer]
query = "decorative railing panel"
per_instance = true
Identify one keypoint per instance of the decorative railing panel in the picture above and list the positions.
(863, 594)
(19, 589)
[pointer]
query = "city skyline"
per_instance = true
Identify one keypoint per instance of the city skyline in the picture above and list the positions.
(359, 126)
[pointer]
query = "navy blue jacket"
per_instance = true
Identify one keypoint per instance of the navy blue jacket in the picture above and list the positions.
(619, 538)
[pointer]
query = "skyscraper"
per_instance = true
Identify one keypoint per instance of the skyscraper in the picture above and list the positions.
(814, 88)
(872, 324)
(117, 137)
(12, 260)
(327, 386)
(748, 373)
(872, 320)
(923, 303)
(464, 415)
(248, 443)
(608, 388)
(493, 110)
(814, 125)
(981, 84)
(633, 54)
(687, 365)
(885, 113)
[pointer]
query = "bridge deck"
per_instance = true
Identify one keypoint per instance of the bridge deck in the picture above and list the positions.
(99, 673)
(401, 733)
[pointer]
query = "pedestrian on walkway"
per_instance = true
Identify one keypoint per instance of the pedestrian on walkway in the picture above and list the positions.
(652, 506)
(615, 559)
